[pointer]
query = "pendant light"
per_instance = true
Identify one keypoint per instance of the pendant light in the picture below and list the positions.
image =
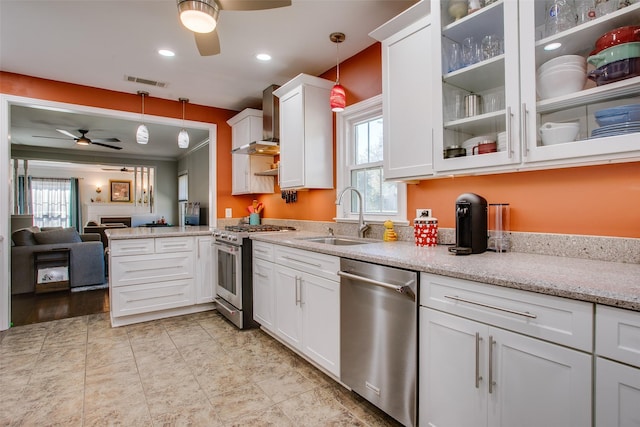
(142, 134)
(183, 136)
(337, 97)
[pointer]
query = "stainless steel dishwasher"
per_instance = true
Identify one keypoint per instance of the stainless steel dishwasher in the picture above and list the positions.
(378, 351)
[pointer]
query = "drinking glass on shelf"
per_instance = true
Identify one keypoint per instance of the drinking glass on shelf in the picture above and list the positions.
(454, 56)
(585, 10)
(469, 51)
(561, 16)
(491, 46)
(604, 7)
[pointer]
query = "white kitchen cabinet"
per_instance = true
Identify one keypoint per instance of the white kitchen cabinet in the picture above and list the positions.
(246, 127)
(617, 394)
(478, 366)
(152, 278)
(513, 73)
(306, 133)
(205, 289)
(499, 74)
(297, 298)
(617, 380)
(407, 69)
(263, 285)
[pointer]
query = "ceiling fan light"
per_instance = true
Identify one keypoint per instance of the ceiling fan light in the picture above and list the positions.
(183, 139)
(337, 98)
(199, 16)
(82, 141)
(142, 134)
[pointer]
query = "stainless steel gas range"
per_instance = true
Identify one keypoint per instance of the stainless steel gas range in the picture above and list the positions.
(234, 285)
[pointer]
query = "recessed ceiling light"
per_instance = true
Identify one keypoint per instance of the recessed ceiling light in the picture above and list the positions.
(263, 57)
(552, 46)
(166, 52)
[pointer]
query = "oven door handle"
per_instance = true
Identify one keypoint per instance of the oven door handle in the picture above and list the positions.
(231, 312)
(230, 249)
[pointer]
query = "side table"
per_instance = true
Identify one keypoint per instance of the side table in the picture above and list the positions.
(52, 272)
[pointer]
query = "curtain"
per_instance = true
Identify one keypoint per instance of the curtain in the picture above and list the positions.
(74, 216)
(51, 200)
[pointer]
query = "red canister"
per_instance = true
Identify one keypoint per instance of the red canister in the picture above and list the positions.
(425, 231)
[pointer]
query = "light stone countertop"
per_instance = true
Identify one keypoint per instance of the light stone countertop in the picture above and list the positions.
(609, 283)
(146, 232)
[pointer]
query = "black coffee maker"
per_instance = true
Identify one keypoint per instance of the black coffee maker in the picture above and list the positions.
(471, 225)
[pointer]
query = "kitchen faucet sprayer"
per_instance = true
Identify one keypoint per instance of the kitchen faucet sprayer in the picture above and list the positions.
(362, 227)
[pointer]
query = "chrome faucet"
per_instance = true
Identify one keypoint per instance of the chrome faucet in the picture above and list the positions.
(362, 227)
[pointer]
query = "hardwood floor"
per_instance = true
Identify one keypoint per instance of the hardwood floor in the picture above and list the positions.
(32, 308)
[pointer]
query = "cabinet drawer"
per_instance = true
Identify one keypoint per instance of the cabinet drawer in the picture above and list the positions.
(148, 297)
(618, 334)
(322, 265)
(131, 247)
(138, 269)
(263, 251)
(174, 244)
(564, 321)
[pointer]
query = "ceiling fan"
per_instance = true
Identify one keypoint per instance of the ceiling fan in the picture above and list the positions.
(122, 169)
(201, 17)
(83, 140)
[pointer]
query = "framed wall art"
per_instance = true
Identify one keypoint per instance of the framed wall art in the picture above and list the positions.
(120, 191)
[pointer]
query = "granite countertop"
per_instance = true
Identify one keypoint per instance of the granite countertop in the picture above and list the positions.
(146, 232)
(609, 283)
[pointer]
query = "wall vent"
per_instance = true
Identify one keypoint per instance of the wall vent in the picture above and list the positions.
(146, 81)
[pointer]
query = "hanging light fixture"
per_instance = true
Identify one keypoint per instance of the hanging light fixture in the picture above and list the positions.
(142, 134)
(337, 97)
(183, 136)
(200, 16)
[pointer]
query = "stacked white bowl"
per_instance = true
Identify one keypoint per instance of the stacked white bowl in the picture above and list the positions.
(561, 76)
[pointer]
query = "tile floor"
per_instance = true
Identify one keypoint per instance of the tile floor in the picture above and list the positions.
(193, 370)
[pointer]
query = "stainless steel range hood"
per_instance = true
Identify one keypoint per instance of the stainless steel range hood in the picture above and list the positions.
(269, 145)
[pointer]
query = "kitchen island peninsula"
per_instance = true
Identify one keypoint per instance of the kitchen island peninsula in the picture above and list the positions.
(159, 272)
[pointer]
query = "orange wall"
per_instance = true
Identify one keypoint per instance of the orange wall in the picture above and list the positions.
(31, 87)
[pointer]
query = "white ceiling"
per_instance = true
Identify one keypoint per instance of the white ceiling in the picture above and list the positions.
(99, 42)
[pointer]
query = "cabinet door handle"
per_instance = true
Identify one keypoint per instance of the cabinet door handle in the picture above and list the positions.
(491, 382)
(494, 307)
(509, 141)
(525, 143)
(297, 291)
(301, 261)
(478, 376)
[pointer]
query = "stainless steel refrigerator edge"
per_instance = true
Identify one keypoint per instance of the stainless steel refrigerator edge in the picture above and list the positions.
(378, 336)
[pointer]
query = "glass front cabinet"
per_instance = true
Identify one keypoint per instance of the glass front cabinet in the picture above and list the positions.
(488, 100)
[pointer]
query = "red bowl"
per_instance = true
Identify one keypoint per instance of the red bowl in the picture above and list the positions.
(616, 37)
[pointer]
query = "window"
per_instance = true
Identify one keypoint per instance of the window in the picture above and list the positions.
(51, 202)
(359, 157)
(183, 187)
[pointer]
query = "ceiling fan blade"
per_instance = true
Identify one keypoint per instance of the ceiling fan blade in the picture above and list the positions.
(105, 140)
(208, 43)
(106, 145)
(51, 137)
(69, 134)
(252, 4)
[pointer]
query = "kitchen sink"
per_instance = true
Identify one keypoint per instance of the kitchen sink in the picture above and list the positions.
(337, 241)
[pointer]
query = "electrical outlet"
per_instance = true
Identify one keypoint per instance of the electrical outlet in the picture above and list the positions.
(423, 213)
(227, 213)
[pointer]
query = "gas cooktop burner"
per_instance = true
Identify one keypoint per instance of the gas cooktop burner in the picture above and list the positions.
(258, 228)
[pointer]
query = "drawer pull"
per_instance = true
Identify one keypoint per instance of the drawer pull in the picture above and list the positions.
(264, 276)
(155, 297)
(301, 261)
(260, 250)
(494, 307)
